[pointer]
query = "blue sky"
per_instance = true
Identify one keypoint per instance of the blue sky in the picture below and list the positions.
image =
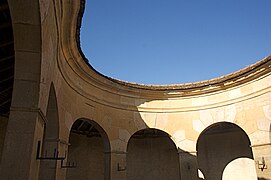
(174, 41)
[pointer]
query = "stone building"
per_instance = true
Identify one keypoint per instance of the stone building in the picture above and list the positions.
(60, 119)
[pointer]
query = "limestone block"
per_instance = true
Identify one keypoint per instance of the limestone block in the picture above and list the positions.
(219, 97)
(187, 145)
(230, 113)
(25, 93)
(240, 117)
(27, 38)
(124, 135)
(198, 126)
(226, 113)
(218, 114)
(149, 119)
(107, 120)
(264, 124)
(44, 6)
(23, 70)
(118, 145)
(138, 121)
(200, 101)
(259, 137)
(263, 100)
(178, 136)
(206, 117)
(127, 101)
(68, 120)
(27, 11)
(235, 93)
(267, 111)
(259, 85)
(250, 126)
(161, 120)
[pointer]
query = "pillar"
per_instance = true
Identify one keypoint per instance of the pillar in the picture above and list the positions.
(188, 165)
(118, 165)
(24, 130)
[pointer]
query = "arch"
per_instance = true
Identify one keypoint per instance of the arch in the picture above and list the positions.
(50, 137)
(221, 144)
(26, 28)
(151, 154)
(90, 150)
(27, 46)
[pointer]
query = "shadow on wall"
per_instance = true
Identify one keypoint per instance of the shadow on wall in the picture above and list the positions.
(144, 150)
(151, 154)
(260, 178)
(188, 165)
(50, 138)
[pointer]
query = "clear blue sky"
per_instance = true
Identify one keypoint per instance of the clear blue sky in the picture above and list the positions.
(174, 41)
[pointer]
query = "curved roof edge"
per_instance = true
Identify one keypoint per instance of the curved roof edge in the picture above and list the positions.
(240, 76)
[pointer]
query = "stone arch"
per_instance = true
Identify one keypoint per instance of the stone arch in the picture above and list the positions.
(50, 137)
(219, 146)
(27, 47)
(24, 114)
(90, 150)
(151, 154)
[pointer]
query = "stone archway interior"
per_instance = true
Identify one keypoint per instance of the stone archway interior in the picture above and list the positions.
(225, 145)
(87, 149)
(152, 155)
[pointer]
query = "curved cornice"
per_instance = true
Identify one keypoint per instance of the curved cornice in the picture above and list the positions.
(78, 62)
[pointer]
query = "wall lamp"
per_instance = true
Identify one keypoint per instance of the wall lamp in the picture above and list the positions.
(262, 165)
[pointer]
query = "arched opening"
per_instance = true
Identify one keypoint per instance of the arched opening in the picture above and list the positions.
(7, 61)
(89, 150)
(224, 152)
(151, 154)
(50, 138)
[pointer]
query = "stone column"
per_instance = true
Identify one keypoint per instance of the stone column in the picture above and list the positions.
(118, 165)
(24, 130)
(188, 165)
